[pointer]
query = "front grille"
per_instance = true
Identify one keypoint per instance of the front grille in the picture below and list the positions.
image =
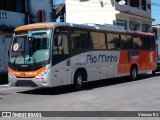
(25, 83)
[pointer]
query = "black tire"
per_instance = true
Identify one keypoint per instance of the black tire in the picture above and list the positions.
(78, 81)
(153, 72)
(133, 73)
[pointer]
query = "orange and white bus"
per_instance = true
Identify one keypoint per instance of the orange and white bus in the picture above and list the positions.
(55, 54)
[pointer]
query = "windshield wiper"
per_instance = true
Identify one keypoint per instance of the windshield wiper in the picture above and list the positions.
(34, 61)
(14, 62)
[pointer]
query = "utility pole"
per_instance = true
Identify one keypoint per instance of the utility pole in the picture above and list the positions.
(27, 19)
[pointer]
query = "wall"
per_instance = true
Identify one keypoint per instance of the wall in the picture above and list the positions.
(4, 47)
(90, 11)
(129, 17)
(136, 14)
(46, 5)
(134, 10)
(13, 19)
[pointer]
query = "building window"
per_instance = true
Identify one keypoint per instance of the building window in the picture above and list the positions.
(41, 16)
(134, 3)
(134, 26)
(149, 6)
(122, 23)
(3, 15)
(144, 4)
(145, 27)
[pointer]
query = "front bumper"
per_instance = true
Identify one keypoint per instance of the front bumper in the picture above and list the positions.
(26, 82)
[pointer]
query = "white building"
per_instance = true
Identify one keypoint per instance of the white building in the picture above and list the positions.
(134, 15)
(14, 13)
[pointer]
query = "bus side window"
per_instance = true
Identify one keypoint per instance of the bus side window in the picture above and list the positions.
(98, 40)
(80, 39)
(152, 41)
(126, 42)
(145, 42)
(110, 41)
(65, 48)
(60, 45)
(137, 42)
(116, 41)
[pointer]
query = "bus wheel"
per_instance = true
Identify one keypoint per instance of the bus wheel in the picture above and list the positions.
(78, 81)
(153, 72)
(133, 73)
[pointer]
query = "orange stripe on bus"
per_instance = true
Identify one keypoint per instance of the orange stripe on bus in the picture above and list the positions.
(36, 26)
(26, 74)
(145, 60)
(143, 33)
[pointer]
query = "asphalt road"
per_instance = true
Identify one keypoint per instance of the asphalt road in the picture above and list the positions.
(106, 95)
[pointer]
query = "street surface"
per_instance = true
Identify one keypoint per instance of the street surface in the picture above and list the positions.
(117, 94)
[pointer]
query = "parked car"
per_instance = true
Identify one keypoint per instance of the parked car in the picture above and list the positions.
(158, 67)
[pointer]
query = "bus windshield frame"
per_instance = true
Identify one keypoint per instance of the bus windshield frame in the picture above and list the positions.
(30, 47)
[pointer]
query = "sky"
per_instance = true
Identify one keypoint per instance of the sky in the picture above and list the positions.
(155, 10)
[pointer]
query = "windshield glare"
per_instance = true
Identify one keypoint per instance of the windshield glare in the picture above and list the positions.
(31, 48)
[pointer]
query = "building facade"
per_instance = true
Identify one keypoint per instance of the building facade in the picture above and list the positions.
(14, 13)
(134, 15)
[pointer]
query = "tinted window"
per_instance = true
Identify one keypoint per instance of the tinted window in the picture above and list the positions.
(117, 41)
(110, 41)
(113, 41)
(152, 41)
(137, 42)
(145, 42)
(60, 45)
(126, 42)
(98, 40)
(80, 40)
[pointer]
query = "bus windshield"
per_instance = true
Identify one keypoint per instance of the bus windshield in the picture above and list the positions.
(30, 47)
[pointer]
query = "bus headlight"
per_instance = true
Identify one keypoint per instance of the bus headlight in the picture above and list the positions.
(43, 73)
(10, 74)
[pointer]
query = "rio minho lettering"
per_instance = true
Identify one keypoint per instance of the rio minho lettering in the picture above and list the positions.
(102, 58)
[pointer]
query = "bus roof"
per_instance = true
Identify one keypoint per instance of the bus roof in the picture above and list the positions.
(105, 27)
(34, 26)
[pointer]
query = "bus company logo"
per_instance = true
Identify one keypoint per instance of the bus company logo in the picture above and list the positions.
(23, 74)
(102, 58)
(24, 65)
(6, 114)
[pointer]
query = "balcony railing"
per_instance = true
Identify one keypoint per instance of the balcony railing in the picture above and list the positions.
(11, 19)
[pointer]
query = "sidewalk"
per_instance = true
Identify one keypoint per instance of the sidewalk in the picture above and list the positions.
(4, 86)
